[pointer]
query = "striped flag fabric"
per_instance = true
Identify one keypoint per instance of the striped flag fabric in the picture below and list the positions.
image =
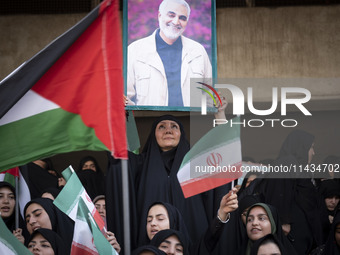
(69, 96)
(214, 160)
(9, 244)
(9, 175)
(87, 238)
(71, 195)
(24, 192)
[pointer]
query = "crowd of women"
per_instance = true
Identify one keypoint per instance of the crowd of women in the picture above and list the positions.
(266, 215)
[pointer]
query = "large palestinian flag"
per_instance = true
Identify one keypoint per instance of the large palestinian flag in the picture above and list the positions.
(69, 96)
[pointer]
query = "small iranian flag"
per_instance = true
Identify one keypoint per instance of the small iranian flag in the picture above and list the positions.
(69, 96)
(87, 238)
(9, 244)
(71, 195)
(213, 161)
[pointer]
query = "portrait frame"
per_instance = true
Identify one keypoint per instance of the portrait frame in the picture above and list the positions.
(140, 19)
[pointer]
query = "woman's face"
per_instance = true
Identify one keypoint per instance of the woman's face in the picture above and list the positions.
(36, 217)
(258, 223)
(337, 234)
(269, 249)
(167, 134)
(89, 165)
(171, 245)
(100, 206)
(40, 246)
(311, 153)
(7, 202)
(157, 220)
(332, 202)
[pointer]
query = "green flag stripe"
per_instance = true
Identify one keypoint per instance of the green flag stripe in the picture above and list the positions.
(67, 130)
(10, 241)
(70, 195)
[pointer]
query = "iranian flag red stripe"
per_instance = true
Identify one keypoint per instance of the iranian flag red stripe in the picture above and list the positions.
(69, 96)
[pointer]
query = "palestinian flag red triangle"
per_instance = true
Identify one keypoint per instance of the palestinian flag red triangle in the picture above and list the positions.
(69, 96)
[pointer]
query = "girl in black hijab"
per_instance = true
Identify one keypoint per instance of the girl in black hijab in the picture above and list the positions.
(294, 195)
(153, 177)
(91, 176)
(173, 216)
(160, 240)
(7, 210)
(146, 249)
(272, 218)
(56, 219)
(37, 242)
(329, 191)
(271, 240)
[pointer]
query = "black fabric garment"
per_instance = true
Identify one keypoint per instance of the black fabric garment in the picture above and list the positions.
(331, 247)
(176, 221)
(270, 238)
(149, 247)
(53, 238)
(295, 198)
(235, 231)
(276, 230)
(150, 182)
(60, 222)
(244, 182)
(164, 234)
(93, 181)
(328, 189)
(53, 191)
(10, 221)
(39, 179)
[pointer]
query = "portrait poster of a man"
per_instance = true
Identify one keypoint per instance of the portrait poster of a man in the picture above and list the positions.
(168, 43)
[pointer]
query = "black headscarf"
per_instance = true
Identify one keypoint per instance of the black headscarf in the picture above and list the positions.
(153, 177)
(149, 247)
(164, 234)
(60, 222)
(10, 221)
(244, 182)
(176, 221)
(39, 179)
(53, 238)
(327, 189)
(268, 238)
(297, 144)
(53, 191)
(93, 181)
(295, 198)
(276, 230)
(331, 247)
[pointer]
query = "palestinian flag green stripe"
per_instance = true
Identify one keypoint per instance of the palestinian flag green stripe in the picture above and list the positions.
(46, 134)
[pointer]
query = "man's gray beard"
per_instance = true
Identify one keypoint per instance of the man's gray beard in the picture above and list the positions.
(169, 32)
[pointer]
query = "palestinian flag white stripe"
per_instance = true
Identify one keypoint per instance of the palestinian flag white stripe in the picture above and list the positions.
(29, 105)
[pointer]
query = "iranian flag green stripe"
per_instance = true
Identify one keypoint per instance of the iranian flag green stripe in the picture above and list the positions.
(213, 161)
(69, 96)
